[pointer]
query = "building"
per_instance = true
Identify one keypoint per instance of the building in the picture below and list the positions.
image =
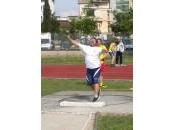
(100, 10)
(64, 22)
(120, 6)
(51, 3)
(131, 4)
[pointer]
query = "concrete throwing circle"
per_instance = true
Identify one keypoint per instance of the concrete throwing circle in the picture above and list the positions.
(82, 104)
(105, 100)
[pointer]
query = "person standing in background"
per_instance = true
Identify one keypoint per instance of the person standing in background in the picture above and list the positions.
(112, 53)
(119, 51)
(102, 61)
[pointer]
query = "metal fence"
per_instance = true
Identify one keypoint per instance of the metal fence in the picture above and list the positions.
(61, 43)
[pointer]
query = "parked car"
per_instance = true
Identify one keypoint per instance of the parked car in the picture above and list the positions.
(128, 43)
(46, 42)
(65, 45)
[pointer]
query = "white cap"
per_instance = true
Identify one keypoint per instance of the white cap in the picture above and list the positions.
(118, 37)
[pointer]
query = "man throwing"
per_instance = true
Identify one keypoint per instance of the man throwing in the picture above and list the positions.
(92, 61)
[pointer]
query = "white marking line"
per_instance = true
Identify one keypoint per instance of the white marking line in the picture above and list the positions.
(87, 121)
(82, 104)
(96, 72)
(67, 112)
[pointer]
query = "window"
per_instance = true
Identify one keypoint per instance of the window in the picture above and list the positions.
(90, 12)
(44, 41)
(122, 5)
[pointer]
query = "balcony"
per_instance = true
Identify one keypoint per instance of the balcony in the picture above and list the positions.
(92, 1)
(100, 1)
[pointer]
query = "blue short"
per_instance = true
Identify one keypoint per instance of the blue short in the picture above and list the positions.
(92, 76)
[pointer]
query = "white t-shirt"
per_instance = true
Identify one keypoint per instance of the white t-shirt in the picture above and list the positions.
(91, 54)
(120, 47)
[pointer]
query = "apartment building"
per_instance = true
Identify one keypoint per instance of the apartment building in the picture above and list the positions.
(103, 11)
(100, 10)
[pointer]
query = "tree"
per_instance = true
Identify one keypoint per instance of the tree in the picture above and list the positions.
(88, 26)
(124, 23)
(73, 26)
(46, 24)
(54, 24)
(85, 25)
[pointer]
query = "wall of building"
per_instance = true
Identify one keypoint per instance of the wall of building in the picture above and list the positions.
(101, 15)
(103, 18)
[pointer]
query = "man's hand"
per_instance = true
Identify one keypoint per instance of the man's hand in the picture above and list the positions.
(72, 41)
(69, 37)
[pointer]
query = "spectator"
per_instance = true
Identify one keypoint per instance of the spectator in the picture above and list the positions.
(102, 61)
(119, 52)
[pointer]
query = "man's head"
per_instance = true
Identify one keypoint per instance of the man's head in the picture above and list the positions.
(93, 42)
(99, 41)
(118, 39)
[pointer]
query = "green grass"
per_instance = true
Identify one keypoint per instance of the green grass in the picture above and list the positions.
(128, 58)
(77, 60)
(114, 122)
(50, 86)
(62, 60)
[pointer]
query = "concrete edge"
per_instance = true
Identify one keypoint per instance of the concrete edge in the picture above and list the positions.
(81, 104)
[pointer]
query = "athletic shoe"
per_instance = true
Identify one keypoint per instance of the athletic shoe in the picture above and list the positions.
(98, 96)
(96, 99)
(116, 65)
(103, 86)
(122, 65)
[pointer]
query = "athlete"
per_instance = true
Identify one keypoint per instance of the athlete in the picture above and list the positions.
(112, 52)
(91, 53)
(102, 61)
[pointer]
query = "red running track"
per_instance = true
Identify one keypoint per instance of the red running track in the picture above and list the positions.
(79, 71)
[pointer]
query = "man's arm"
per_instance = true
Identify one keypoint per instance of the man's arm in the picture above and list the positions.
(73, 41)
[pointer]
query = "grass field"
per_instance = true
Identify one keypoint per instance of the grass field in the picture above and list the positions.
(77, 60)
(50, 86)
(62, 60)
(114, 122)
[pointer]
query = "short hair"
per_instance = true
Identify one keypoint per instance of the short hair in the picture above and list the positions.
(100, 40)
(96, 40)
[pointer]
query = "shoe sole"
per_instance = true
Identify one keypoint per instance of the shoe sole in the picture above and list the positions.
(97, 99)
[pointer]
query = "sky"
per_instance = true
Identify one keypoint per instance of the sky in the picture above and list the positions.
(66, 8)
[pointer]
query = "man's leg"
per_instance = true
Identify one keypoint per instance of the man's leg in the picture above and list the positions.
(96, 89)
(101, 76)
(113, 58)
(117, 58)
(95, 85)
(102, 85)
(101, 80)
(96, 92)
(121, 58)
